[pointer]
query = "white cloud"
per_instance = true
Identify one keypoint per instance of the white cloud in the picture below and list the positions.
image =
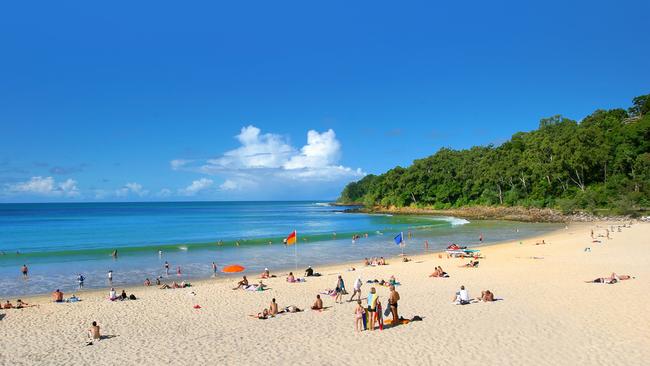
(45, 187)
(267, 159)
(229, 185)
(131, 188)
(322, 150)
(179, 163)
(196, 187)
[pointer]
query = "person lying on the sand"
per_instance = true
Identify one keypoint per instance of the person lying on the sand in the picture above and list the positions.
(263, 315)
(486, 296)
(318, 304)
(366, 262)
(292, 309)
(57, 296)
(21, 304)
(541, 242)
(291, 278)
(242, 284)
(613, 278)
(273, 308)
(405, 259)
(471, 264)
(256, 287)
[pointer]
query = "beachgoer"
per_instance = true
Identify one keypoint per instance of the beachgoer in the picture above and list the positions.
(357, 289)
(24, 270)
(110, 276)
(372, 308)
(340, 288)
(273, 308)
(81, 279)
(393, 299)
(461, 297)
(114, 254)
(178, 271)
(158, 281)
(112, 295)
(21, 304)
(486, 296)
(214, 269)
(366, 262)
(309, 272)
(57, 296)
(8, 305)
(263, 315)
(242, 284)
(147, 282)
(93, 333)
(318, 304)
(266, 273)
(291, 278)
(358, 317)
(166, 268)
(123, 296)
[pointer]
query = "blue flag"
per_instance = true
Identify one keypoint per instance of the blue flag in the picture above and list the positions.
(399, 239)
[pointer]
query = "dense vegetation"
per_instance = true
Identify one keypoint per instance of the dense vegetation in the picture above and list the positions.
(602, 161)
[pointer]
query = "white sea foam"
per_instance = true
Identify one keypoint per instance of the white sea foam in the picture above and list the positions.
(454, 221)
(323, 204)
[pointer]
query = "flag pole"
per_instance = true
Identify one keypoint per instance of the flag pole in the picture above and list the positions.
(296, 251)
(403, 243)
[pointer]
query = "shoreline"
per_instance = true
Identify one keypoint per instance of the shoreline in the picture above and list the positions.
(280, 272)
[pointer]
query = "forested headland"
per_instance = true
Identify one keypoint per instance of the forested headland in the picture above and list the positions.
(601, 163)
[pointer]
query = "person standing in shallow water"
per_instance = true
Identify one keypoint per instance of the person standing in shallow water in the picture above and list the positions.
(166, 268)
(24, 271)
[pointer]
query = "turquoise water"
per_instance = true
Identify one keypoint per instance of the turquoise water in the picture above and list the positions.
(58, 241)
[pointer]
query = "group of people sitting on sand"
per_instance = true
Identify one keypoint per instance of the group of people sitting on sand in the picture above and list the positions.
(113, 296)
(244, 285)
(273, 310)
(374, 261)
(57, 296)
(612, 279)
(462, 296)
(438, 272)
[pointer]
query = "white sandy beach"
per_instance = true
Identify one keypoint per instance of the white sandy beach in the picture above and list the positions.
(548, 315)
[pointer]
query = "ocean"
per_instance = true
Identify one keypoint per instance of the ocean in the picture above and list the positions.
(58, 241)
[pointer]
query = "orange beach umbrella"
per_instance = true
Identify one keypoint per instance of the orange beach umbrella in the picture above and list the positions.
(233, 268)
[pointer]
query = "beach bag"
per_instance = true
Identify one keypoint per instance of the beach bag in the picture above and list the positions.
(387, 311)
(132, 297)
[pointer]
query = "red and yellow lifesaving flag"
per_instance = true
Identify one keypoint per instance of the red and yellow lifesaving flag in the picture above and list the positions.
(291, 239)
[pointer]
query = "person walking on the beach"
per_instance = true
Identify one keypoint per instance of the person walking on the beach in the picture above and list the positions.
(110, 276)
(214, 269)
(81, 279)
(393, 298)
(340, 288)
(357, 289)
(167, 268)
(24, 271)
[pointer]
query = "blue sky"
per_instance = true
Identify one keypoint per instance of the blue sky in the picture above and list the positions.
(288, 100)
